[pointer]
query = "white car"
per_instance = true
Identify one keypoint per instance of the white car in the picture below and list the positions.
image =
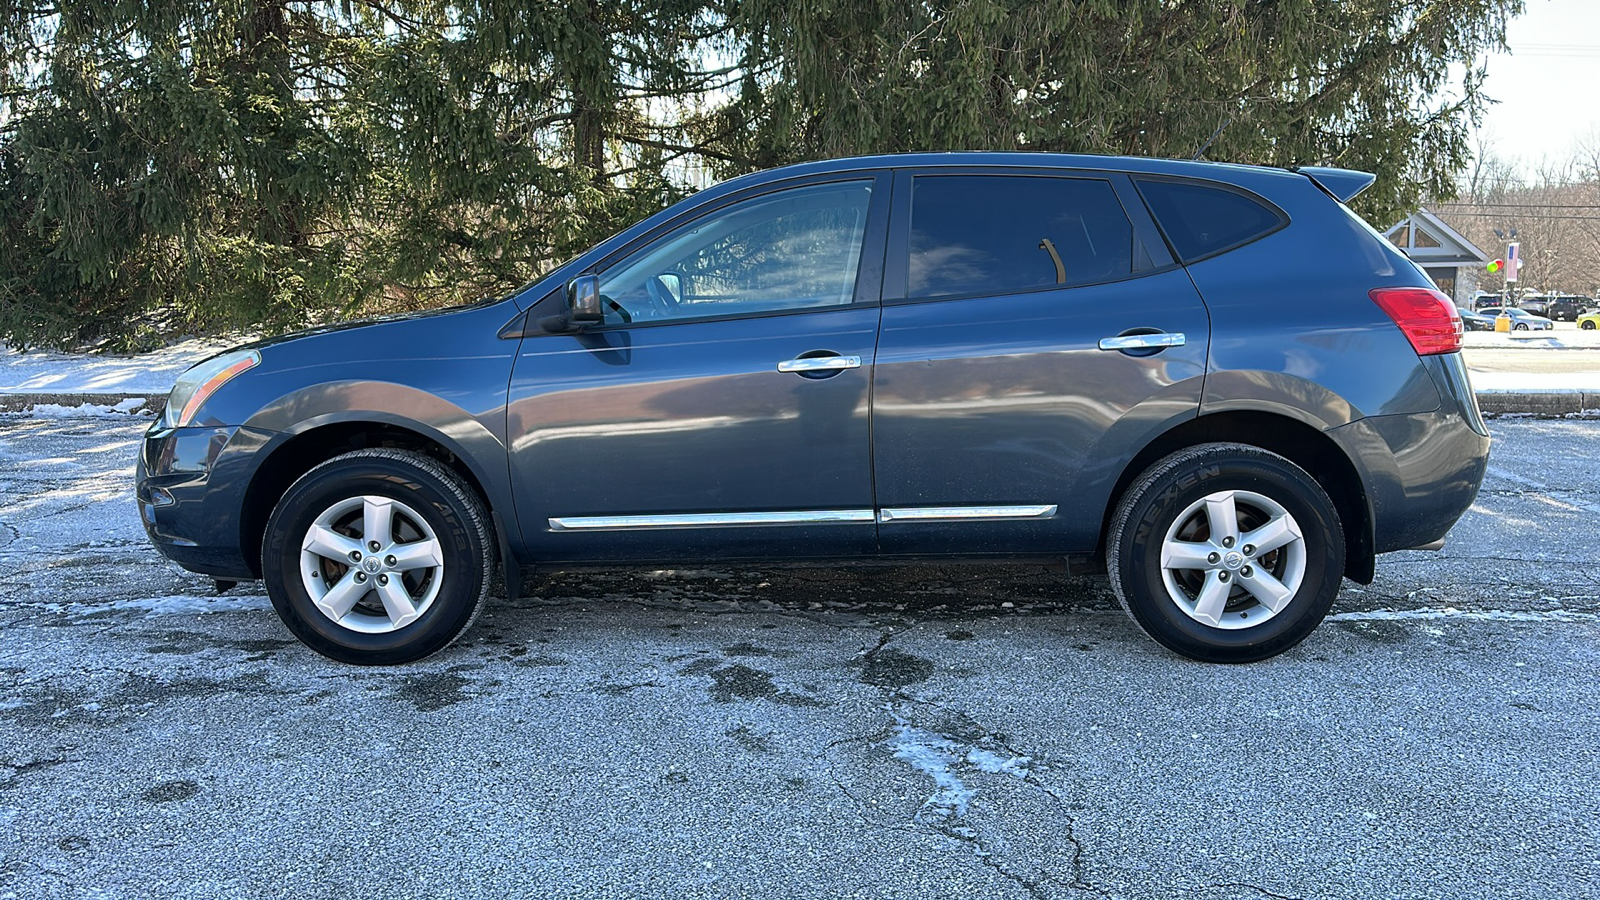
(1521, 319)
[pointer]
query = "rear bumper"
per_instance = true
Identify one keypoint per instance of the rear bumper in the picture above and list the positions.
(190, 486)
(1421, 470)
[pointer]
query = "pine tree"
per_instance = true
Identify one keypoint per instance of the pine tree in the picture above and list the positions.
(1364, 84)
(187, 164)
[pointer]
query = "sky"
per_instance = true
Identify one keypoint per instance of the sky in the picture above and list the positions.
(1547, 85)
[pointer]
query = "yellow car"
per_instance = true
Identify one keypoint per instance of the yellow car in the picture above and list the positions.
(1589, 321)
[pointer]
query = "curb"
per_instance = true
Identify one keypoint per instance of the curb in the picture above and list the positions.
(1491, 403)
(13, 403)
(1538, 403)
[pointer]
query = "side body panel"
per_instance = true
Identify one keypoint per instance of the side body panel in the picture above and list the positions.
(693, 418)
(1293, 330)
(670, 439)
(1009, 401)
(1295, 333)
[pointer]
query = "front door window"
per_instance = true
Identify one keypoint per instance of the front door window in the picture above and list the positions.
(795, 249)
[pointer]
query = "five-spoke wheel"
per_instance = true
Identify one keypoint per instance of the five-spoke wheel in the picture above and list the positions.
(1233, 559)
(1226, 552)
(378, 556)
(371, 564)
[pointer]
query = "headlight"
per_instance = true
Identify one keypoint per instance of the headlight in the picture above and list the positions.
(197, 385)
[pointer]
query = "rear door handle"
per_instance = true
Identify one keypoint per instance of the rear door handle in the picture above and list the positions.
(1144, 341)
(819, 363)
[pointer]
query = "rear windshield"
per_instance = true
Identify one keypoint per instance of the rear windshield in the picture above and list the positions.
(1200, 221)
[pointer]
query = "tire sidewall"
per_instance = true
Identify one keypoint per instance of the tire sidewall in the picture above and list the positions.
(1153, 514)
(452, 608)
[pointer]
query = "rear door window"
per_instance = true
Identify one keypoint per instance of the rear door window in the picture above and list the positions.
(1201, 220)
(995, 234)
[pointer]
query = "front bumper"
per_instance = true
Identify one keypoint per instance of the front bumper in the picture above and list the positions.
(190, 486)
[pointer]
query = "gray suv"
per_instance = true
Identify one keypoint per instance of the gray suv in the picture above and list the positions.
(1214, 379)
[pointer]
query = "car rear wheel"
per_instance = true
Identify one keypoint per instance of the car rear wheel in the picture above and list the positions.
(1226, 553)
(1521, 326)
(378, 557)
(1588, 326)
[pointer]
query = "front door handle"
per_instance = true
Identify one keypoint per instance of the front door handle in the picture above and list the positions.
(1144, 341)
(819, 364)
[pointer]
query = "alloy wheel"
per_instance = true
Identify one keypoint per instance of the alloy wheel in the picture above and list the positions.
(371, 564)
(1233, 559)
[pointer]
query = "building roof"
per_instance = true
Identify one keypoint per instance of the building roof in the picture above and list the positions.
(1452, 248)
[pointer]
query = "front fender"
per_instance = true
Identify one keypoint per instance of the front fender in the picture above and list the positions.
(462, 433)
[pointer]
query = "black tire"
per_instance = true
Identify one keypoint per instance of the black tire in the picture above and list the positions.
(1588, 326)
(1521, 326)
(445, 504)
(1151, 507)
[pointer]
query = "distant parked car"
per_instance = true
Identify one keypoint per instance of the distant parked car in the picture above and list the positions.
(1557, 307)
(1472, 321)
(1589, 321)
(1533, 303)
(1565, 307)
(1483, 300)
(1521, 319)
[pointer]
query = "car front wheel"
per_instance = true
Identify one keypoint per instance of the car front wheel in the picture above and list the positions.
(1226, 553)
(1588, 326)
(378, 557)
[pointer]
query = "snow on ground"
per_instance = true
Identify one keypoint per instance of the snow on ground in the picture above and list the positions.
(44, 372)
(1465, 615)
(133, 405)
(1537, 382)
(1564, 337)
(941, 759)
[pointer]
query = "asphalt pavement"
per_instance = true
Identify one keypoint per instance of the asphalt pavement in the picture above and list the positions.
(946, 732)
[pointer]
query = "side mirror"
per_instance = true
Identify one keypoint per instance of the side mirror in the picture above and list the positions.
(583, 301)
(674, 285)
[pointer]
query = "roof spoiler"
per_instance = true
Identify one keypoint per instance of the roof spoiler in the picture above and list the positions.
(1343, 184)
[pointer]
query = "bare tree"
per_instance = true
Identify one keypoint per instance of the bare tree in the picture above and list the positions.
(1553, 211)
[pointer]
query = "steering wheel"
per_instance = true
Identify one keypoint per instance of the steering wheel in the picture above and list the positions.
(662, 303)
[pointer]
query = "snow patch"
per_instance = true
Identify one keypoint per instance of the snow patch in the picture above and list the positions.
(995, 764)
(941, 759)
(933, 756)
(171, 605)
(1473, 615)
(132, 406)
(39, 372)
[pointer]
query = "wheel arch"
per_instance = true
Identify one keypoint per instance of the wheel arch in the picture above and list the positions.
(319, 440)
(1291, 438)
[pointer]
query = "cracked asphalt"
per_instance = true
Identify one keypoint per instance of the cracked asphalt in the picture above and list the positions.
(724, 732)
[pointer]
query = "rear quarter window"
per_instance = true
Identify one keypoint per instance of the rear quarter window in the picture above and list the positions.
(1202, 220)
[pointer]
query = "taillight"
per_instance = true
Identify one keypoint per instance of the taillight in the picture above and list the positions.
(1427, 317)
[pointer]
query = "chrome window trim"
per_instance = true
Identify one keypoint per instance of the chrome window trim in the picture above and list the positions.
(964, 513)
(712, 520)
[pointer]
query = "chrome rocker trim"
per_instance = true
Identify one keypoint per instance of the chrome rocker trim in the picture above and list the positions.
(712, 520)
(964, 513)
(804, 517)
